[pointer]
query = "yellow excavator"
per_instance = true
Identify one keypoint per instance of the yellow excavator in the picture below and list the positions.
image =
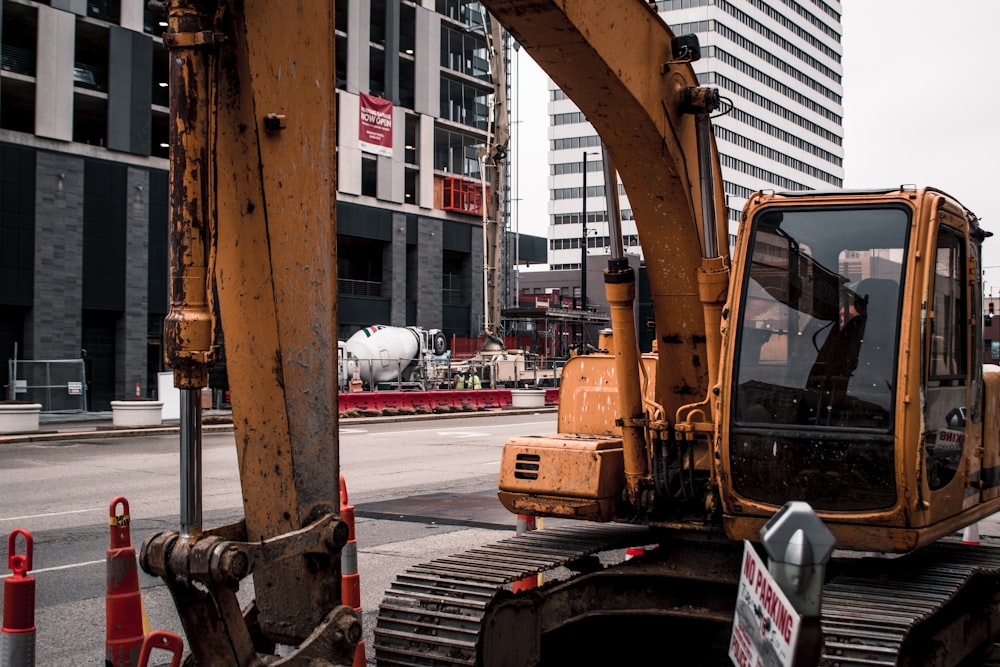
(835, 358)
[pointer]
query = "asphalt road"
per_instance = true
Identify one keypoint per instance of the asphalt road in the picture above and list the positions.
(422, 489)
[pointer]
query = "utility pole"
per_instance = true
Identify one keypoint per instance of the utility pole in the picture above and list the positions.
(583, 246)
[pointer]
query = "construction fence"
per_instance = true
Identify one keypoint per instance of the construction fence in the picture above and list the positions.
(59, 385)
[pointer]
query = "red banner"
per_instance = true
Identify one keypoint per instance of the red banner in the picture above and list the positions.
(375, 129)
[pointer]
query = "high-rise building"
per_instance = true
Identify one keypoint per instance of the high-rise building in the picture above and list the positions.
(776, 62)
(83, 177)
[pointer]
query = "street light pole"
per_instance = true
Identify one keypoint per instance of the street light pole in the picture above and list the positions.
(583, 241)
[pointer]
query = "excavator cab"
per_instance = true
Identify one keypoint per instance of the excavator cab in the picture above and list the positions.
(853, 375)
(815, 357)
(850, 377)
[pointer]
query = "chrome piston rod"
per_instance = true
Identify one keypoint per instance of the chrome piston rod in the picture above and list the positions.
(191, 477)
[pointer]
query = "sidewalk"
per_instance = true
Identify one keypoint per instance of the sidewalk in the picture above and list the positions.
(71, 426)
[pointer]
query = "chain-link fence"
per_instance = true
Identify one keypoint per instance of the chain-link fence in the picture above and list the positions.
(60, 385)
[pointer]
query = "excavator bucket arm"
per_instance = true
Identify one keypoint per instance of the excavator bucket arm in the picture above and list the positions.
(253, 118)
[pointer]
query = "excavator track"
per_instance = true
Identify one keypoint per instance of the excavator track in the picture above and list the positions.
(927, 608)
(937, 606)
(432, 614)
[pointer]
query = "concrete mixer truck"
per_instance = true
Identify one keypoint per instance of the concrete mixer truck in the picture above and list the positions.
(401, 357)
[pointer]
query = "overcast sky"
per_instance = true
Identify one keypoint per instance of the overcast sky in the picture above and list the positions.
(921, 106)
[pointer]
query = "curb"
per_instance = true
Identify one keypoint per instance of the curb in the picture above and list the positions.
(103, 431)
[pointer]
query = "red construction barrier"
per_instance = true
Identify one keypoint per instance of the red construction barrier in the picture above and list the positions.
(418, 400)
(167, 641)
(123, 601)
(491, 398)
(350, 579)
(17, 635)
(368, 401)
(387, 402)
(552, 396)
(445, 401)
(394, 400)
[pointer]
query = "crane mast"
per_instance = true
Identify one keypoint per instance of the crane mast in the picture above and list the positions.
(493, 161)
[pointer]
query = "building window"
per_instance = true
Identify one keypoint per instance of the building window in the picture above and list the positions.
(575, 142)
(464, 103)
(455, 153)
(90, 65)
(342, 62)
(154, 24)
(465, 52)
(411, 139)
(377, 22)
(412, 186)
(17, 96)
(105, 10)
(342, 16)
(369, 175)
(376, 73)
(468, 12)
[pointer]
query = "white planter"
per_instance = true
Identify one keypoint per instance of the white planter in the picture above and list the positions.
(136, 413)
(527, 398)
(19, 417)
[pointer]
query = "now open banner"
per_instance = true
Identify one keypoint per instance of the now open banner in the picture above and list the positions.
(375, 129)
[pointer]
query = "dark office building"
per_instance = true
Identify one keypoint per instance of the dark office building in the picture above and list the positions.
(83, 178)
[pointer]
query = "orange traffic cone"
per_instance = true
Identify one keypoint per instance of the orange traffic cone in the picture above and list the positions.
(970, 535)
(17, 639)
(350, 579)
(632, 552)
(525, 523)
(123, 602)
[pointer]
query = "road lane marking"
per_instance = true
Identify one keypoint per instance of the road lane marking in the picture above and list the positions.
(42, 516)
(464, 434)
(59, 567)
(353, 431)
(425, 430)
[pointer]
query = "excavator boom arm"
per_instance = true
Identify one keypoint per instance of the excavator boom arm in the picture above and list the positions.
(616, 61)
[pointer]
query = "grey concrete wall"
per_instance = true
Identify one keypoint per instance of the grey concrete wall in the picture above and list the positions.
(52, 328)
(476, 282)
(394, 270)
(54, 74)
(358, 35)
(129, 91)
(429, 267)
(427, 63)
(130, 337)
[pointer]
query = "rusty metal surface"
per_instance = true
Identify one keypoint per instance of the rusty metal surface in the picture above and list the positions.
(253, 211)
(432, 614)
(276, 276)
(188, 327)
(465, 509)
(614, 60)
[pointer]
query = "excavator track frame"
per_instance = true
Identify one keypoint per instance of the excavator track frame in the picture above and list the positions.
(935, 607)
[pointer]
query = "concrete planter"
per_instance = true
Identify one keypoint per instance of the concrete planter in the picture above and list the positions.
(136, 413)
(19, 417)
(527, 398)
